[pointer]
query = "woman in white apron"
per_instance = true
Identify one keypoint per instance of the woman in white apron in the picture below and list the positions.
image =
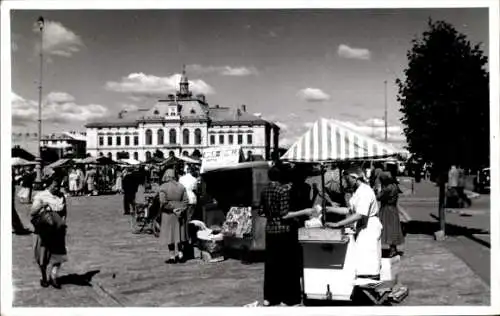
(363, 210)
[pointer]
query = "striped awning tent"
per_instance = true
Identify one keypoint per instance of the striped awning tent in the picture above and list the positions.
(331, 140)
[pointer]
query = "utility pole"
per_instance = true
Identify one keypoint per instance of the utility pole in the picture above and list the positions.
(385, 106)
(38, 168)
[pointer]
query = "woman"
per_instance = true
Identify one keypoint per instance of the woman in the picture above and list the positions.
(392, 233)
(118, 183)
(48, 215)
(362, 211)
(173, 203)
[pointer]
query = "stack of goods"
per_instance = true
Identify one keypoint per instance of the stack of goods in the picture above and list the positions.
(210, 242)
(238, 223)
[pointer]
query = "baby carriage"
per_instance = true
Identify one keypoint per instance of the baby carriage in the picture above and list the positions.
(146, 217)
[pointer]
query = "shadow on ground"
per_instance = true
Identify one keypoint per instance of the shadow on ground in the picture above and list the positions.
(429, 228)
(78, 279)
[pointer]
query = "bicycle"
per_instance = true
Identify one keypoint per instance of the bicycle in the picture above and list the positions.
(146, 217)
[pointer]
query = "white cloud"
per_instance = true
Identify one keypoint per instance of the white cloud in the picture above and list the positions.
(129, 107)
(59, 40)
(282, 126)
(57, 107)
(140, 84)
(353, 53)
(394, 132)
(313, 95)
(239, 71)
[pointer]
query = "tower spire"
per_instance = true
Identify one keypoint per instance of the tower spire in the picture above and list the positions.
(184, 84)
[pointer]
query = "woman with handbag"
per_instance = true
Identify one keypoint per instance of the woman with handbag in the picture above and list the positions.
(48, 216)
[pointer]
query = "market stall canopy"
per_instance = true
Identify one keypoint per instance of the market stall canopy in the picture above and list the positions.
(187, 159)
(331, 140)
(17, 162)
(130, 161)
(60, 163)
(58, 146)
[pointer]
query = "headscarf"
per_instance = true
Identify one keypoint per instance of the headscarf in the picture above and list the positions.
(355, 172)
(169, 175)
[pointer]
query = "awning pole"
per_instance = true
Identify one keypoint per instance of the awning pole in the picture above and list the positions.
(323, 200)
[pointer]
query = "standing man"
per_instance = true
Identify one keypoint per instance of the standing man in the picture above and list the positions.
(130, 185)
(189, 181)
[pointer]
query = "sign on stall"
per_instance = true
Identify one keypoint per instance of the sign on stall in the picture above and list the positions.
(219, 157)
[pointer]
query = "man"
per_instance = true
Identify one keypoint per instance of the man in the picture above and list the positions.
(190, 182)
(130, 185)
(90, 180)
(452, 194)
(461, 188)
(282, 265)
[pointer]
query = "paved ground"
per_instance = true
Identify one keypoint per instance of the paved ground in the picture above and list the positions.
(468, 229)
(111, 267)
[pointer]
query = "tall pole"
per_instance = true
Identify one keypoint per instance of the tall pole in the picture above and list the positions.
(38, 167)
(385, 107)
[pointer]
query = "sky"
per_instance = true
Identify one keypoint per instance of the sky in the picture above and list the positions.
(291, 66)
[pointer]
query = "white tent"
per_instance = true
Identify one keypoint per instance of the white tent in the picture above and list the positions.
(331, 140)
(130, 161)
(17, 161)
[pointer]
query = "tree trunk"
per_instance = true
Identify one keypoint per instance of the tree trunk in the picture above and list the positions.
(442, 219)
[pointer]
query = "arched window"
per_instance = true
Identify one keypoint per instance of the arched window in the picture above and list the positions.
(110, 155)
(171, 153)
(101, 154)
(149, 137)
(172, 136)
(185, 136)
(148, 155)
(160, 137)
(185, 153)
(197, 136)
(136, 155)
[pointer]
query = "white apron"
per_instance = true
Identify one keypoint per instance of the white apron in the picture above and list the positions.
(368, 248)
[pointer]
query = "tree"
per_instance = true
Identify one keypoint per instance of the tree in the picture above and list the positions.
(445, 102)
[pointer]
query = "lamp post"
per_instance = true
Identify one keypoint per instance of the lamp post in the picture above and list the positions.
(38, 167)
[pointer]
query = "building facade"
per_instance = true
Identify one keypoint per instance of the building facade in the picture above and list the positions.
(181, 124)
(73, 143)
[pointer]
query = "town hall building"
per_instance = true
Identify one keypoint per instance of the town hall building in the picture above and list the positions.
(181, 124)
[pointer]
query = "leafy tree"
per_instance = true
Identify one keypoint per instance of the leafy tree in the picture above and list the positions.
(445, 101)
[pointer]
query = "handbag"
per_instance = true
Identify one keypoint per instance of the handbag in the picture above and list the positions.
(47, 219)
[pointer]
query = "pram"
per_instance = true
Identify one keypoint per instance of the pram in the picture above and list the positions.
(146, 217)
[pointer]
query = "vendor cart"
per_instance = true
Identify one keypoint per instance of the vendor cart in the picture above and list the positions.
(329, 271)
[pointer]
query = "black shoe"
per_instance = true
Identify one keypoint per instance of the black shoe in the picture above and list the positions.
(171, 261)
(180, 260)
(44, 283)
(54, 284)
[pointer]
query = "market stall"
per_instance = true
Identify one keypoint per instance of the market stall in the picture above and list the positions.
(231, 196)
(105, 172)
(328, 254)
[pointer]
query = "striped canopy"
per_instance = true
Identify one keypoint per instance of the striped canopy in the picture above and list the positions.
(331, 140)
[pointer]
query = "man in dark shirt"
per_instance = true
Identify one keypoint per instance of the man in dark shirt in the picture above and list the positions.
(130, 185)
(282, 269)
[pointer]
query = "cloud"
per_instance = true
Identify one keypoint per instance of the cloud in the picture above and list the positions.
(353, 53)
(140, 84)
(129, 107)
(58, 40)
(239, 71)
(282, 125)
(57, 107)
(375, 122)
(313, 95)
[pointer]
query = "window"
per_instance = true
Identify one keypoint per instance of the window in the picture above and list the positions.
(101, 154)
(101, 141)
(172, 136)
(127, 140)
(240, 139)
(160, 137)
(185, 153)
(110, 156)
(212, 139)
(118, 141)
(136, 140)
(197, 136)
(149, 137)
(110, 141)
(185, 136)
(148, 155)
(230, 139)
(221, 139)
(249, 139)
(136, 155)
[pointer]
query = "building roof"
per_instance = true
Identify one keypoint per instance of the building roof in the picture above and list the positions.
(229, 116)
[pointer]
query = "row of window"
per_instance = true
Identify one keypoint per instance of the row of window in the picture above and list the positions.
(173, 138)
(135, 155)
(118, 140)
(230, 139)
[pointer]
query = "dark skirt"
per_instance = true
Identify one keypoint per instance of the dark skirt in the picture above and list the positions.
(392, 233)
(50, 247)
(282, 269)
